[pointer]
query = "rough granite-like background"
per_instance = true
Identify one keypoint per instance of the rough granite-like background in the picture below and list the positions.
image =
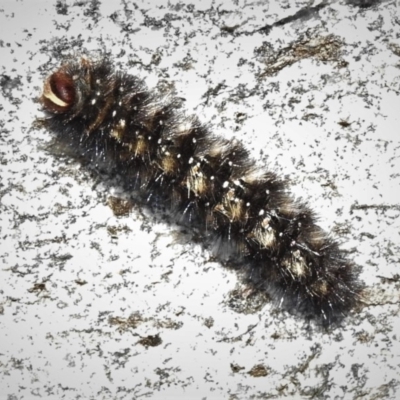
(96, 305)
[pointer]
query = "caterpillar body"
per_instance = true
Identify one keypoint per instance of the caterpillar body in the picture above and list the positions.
(109, 117)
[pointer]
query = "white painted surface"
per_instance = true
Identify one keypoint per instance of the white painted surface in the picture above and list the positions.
(54, 220)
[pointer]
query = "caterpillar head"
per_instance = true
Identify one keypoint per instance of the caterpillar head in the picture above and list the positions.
(59, 92)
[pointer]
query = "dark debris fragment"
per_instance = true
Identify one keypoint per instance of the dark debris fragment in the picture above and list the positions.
(150, 341)
(259, 371)
(120, 207)
(322, 48)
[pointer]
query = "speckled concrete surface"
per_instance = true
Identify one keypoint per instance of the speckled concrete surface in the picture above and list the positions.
(95, 306)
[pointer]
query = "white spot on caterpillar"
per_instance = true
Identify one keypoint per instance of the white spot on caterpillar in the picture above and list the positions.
(261, 213)
(185, 127)
(93, 102)
(114, 113)
(225, 184)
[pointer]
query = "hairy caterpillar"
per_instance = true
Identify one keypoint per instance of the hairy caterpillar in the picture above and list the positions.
(108, 117)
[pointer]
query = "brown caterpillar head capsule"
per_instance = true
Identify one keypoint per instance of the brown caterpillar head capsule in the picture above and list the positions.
(59, 92)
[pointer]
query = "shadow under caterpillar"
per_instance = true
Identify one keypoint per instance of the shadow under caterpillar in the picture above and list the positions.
(106, 117)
